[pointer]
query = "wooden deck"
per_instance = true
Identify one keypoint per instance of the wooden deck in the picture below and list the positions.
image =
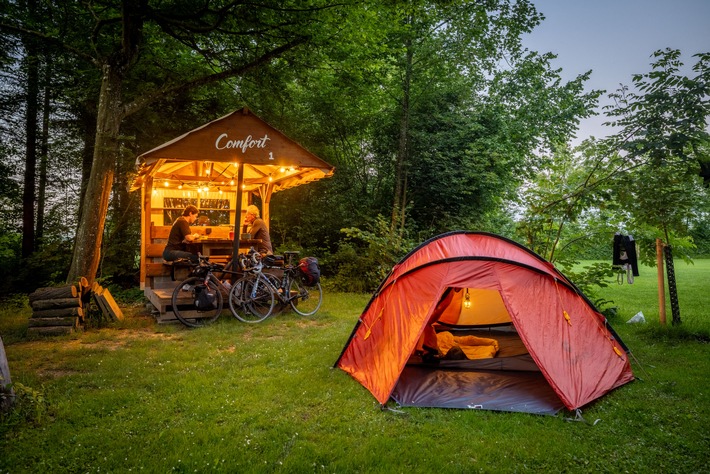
(161, 299)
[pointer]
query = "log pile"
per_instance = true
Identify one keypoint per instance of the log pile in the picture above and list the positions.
(56, 310)
(106, 303)
(61, 309)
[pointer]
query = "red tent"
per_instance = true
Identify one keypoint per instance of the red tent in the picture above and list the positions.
(545, 346)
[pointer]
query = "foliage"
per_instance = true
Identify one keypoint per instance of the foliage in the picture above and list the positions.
(30, 407)
(365, 257)
(663, 132)
(643, 181)
(591, 277)
(482, 114)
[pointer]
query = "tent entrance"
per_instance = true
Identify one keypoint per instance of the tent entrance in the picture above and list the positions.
(509, 381)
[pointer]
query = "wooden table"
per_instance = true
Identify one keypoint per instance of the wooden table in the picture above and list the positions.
(219, 247)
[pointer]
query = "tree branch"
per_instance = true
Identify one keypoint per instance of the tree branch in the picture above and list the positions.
(147, 99)
(51, 39)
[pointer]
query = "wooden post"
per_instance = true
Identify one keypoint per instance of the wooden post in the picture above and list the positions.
(661, 283)
(238, 214)
(146, 219)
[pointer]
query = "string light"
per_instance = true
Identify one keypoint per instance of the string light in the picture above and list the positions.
(467, 300)
(166, 183)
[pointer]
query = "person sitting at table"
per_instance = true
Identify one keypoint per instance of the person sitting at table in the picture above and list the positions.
(258, 230)
(180, 236)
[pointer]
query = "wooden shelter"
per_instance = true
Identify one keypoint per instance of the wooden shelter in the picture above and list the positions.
(219, 167)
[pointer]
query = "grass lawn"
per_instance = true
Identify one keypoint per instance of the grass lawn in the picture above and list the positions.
(141, 397)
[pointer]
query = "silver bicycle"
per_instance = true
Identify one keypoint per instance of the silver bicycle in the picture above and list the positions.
(253, 297)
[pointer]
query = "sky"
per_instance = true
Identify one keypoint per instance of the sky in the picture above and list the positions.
(615, 39)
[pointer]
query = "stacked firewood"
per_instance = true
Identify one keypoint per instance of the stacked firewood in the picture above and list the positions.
(58, 310)
(61, 309)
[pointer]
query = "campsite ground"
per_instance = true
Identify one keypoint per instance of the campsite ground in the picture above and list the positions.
(263, 398)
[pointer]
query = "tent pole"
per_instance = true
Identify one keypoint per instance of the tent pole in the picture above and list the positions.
(238, 214)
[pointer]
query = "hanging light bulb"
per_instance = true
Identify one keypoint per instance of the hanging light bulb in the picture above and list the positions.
(181, 185)
(467, 300)
(231, 183)
(282, 169)
(271, 178)
(166, 183)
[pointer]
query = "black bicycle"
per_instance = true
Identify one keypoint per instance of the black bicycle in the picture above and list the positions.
(198, 300)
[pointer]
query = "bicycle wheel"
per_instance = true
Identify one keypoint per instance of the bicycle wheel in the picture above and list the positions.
(251, 299)
(193, 308)
(237, 301)
(306, 300)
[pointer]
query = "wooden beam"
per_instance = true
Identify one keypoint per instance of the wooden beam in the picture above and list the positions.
(238, 213)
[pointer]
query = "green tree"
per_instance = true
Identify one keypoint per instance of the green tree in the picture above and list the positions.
(663, 128)
(645, 178)
(187, 45)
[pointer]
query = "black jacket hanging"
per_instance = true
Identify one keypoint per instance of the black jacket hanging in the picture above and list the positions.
(625, 252)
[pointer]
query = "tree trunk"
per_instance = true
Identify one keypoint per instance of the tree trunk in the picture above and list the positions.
(87, 117)
(44, 152)
(400, 178)
(87, 247)
(28, 193)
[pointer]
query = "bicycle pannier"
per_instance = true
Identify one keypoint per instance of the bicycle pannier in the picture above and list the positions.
(310, 271)
(205, 298)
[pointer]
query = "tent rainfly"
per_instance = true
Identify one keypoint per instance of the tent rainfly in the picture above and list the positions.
(525, 337)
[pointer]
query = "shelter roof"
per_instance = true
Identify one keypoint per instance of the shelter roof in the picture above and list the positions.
(209, 156)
